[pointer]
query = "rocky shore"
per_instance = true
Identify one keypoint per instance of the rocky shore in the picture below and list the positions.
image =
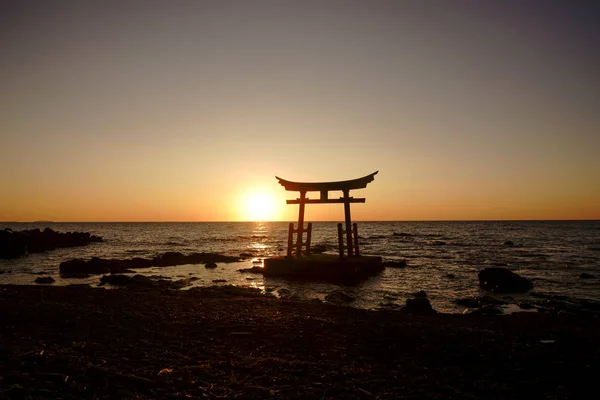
(77, 267)
(79, 342)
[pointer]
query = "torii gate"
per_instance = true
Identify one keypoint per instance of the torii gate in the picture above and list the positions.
(324, 188)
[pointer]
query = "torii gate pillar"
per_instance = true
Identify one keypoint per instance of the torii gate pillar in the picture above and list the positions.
(348, 224)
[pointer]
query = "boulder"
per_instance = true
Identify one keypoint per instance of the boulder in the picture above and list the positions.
(418, 305)
(44, 279)
(338, 297)
(502, 280)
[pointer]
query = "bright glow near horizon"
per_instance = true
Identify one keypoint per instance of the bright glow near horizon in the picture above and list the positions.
(155, 111)
(260, 207)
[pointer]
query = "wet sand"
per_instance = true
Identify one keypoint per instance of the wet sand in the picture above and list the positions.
(79, 342)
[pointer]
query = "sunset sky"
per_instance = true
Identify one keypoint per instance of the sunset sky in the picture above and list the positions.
(186, 110)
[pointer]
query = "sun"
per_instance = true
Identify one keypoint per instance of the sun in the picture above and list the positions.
(260, 207)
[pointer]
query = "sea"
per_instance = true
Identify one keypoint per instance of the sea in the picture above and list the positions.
(443, 258)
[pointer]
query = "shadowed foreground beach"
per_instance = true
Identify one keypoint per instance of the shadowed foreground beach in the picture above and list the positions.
(80, 342)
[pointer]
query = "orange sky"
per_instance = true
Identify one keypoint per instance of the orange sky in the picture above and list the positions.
(185, 111)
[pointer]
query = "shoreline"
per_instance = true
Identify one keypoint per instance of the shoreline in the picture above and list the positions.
(442, 260)
(154, 279)
(79, 342)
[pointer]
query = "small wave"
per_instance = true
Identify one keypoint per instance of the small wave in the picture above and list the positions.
(176, 244)
(225, 239)
(253, 236)
(402, 234)
(437, 243)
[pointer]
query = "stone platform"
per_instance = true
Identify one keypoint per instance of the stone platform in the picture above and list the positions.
(324, 267)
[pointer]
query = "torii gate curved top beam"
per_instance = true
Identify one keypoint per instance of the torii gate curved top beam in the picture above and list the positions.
(351, 184)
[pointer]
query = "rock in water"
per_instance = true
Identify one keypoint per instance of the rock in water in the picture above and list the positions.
(419, 305)
(210, 265)
(45, 279)
(502, 280)
(586, 276)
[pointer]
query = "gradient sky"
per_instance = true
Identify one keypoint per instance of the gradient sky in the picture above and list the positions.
(180, 110)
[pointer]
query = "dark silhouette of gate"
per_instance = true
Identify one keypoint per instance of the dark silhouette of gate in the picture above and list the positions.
(351, 231)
